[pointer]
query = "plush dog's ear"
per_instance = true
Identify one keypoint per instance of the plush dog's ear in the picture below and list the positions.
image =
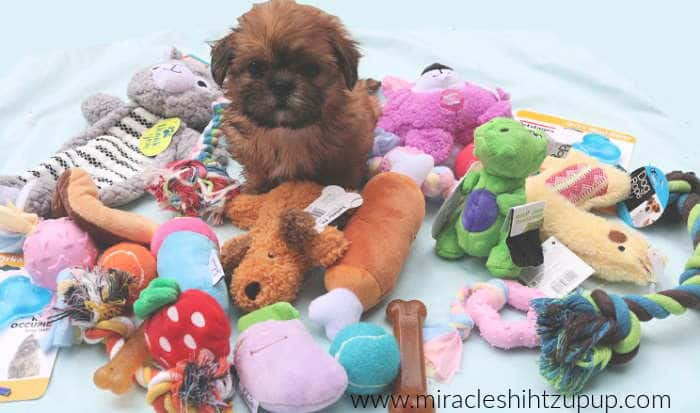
(297, 229)
(221, 57)
(347, 56)
(233, 251)
(328, 247)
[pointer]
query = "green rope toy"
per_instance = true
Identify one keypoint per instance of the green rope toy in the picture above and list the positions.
(584, 333)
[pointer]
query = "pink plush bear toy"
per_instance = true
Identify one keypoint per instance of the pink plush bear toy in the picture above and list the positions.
(439, 110)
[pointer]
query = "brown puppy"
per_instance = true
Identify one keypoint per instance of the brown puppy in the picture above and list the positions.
(298, 111)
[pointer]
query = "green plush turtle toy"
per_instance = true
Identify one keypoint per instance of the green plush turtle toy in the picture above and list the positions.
(509, 153)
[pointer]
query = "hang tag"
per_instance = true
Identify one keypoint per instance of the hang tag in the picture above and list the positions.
(454, 200)
(157, 138)
(524, 218)
(332, 203)
(215, 268)
(250, 401)
(658, 267)
(648, 198)
(561, 272)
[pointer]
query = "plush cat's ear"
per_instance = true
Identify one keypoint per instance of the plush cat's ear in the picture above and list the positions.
(175, 53)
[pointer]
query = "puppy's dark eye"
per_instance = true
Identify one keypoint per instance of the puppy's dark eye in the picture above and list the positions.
(201, 83)
(310, 70)
(621, 248)
(257, 68)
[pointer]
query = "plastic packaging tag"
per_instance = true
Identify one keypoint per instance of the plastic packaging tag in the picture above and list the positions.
(332, 203)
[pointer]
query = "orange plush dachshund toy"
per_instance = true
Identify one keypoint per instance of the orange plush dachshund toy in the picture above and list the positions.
(267, 264)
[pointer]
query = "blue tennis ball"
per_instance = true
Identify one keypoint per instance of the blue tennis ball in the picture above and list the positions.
(369, 355)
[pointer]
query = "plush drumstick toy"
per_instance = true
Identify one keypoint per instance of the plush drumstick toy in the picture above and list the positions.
(380, 233)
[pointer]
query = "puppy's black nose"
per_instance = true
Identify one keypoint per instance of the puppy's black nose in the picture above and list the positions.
(282, 87)
(252, 290)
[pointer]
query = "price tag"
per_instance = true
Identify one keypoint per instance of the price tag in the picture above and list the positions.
(157, 138)
(332, 203)
(215, 268)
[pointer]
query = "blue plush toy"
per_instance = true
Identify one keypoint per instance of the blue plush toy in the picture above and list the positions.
(187, 250)
(369, 355)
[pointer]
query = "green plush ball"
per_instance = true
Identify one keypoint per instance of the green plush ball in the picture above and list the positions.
(369, 355)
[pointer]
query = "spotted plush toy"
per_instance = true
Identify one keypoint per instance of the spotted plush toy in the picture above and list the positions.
(179, 324)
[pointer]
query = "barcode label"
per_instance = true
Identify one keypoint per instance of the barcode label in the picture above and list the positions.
(561, 285)
(561, 272)
(316, 212)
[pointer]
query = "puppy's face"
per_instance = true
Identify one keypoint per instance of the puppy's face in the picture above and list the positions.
(285, 63)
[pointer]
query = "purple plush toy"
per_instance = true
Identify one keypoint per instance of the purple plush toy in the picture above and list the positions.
(439, 110)
(281, 368)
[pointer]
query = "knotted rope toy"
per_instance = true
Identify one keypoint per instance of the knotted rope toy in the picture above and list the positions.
(204, 385)
(479, 307)
(96, 305)
(199, 186)
(584, 333)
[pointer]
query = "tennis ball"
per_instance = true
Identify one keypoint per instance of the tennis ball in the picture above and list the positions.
(134, 259)
(369, 355)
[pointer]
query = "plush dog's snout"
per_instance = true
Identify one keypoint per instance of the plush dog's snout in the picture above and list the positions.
(281, 86)
(252, 290)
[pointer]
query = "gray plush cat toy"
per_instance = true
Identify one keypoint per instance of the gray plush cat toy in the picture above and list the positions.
(112, 150)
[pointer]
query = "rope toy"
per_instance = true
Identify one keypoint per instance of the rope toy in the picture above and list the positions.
(479, 307)
(200, 186)
(584, 333)
(95, 303)
(204, 385)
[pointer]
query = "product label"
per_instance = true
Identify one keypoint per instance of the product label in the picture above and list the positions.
(561, 272)
(157, 138)
(524, 218)
(25, 369)
(215, 268)
(648, 198)
(332, 203)
(606, 145)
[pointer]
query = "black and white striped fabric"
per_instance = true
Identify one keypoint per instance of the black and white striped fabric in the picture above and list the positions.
(109, 159)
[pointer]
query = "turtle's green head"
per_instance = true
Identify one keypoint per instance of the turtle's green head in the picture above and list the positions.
(508, 149)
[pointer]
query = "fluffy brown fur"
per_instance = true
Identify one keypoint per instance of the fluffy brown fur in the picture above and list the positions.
(298, 111)
(267, 264)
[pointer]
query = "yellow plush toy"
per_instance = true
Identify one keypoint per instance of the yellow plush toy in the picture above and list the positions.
(571, 187)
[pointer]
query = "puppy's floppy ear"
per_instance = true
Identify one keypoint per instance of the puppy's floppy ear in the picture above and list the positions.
(346, 55)
(221, 58)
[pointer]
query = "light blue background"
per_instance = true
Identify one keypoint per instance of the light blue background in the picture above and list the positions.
(630, 66)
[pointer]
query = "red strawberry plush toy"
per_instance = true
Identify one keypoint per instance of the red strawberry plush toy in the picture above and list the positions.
(181, 325)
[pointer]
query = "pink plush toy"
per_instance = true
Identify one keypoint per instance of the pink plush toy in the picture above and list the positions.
(54, 245)
(484, 301)
(439, 110)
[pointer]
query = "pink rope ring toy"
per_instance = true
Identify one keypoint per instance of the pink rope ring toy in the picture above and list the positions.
(482, 303)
